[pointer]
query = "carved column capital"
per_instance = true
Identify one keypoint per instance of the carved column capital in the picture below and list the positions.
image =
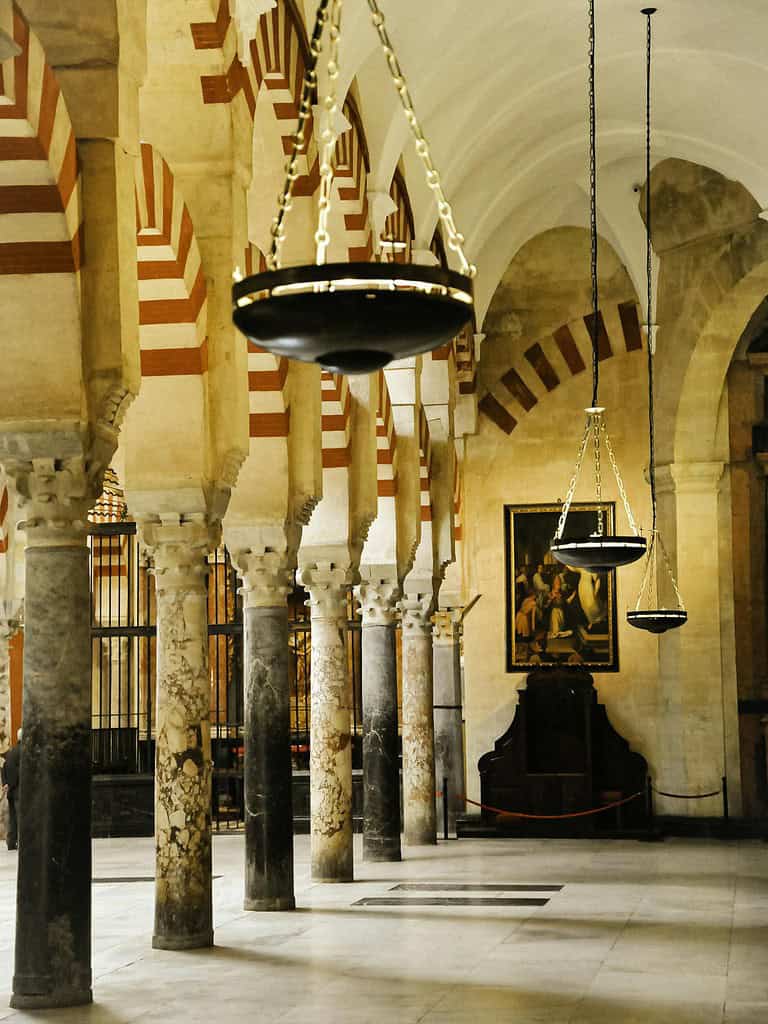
(266, 575)
(446, 626)
(416, 610)
(327, 584)
(179, 546)
(54, 496)
(378, 601)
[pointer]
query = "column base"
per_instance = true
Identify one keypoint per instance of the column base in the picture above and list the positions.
(271, 903)
(180, 942)
(430, 840)
(382, 851)
(51, 1000)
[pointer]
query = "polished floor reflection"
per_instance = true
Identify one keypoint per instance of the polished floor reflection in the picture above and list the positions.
(624, 932)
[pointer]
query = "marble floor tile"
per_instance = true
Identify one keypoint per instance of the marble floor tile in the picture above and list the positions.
(672, 933)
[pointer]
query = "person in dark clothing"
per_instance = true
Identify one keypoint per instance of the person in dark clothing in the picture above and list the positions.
(10, 776)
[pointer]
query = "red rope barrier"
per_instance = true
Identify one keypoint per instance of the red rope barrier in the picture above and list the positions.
(554, 817)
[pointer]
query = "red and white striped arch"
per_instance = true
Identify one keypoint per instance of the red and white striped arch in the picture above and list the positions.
(425, 468)
(172, 288)
(386, 444)
(458, 499)
(4, 525)
(336, 409)
(543, 366)
(39, 177)
(351, 168)
(267, 374)
(278, 57)
(399, 231)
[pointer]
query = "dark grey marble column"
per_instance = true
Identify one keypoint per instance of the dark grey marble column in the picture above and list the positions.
(183, 894)
(449, 735)
(330, 756)
(268, 798)
(53, 916)
(381, 754)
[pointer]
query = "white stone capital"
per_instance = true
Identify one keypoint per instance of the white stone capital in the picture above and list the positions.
(416, 610)
(266, 575)
(446, 625)
(54, 495)
(378, 600)
(179, 546)
(328, 585)
(246, 14)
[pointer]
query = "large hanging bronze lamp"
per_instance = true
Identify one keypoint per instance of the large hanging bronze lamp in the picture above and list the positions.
(646, 614)
(598, 550)
(352, 317)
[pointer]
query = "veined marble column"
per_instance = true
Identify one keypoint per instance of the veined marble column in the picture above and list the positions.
(330, 759)
(381, 755)
(268, 796)
(183, 898)
(420, 818)
(449, 735)
(53, 916)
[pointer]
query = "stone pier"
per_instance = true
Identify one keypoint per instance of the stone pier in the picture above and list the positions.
(330, 739)
(268, 798)
(381, 755)
(420, 818)
(449, 739)
(53, 917)
(183, 899)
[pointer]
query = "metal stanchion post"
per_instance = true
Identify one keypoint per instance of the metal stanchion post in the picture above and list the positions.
(445, 807)
(649, 804)
(725, 801)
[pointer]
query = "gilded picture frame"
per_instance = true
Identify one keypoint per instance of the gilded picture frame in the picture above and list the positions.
(557, 616)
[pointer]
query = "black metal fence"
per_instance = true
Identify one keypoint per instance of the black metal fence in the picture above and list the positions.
(123, 637)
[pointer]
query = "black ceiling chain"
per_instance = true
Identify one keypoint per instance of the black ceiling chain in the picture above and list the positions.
(649, 269)
(593, 204)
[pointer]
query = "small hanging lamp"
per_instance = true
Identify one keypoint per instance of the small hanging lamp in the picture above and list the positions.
(598, 550)
(352, 317)
(644, 615)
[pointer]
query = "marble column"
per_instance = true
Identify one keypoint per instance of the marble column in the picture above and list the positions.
(381, 754)
(449, 734)
(53, 915)
(183, 897)
(330, 759)
(420, 817)
(268, 795)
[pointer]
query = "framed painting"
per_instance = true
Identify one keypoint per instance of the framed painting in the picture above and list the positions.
(557, 615)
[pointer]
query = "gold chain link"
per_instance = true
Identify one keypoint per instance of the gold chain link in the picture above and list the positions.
(596, 427)
(328, 137)
(574, 480)
(619, 481)
(298, 142)
(455, 238)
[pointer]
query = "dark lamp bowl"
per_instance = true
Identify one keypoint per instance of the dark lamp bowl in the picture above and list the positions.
(598, 552)
(353, 317)
(658, 620)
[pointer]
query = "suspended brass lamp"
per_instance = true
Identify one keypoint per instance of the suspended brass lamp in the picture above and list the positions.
(352, 317)
(645, 615)
(598, 550)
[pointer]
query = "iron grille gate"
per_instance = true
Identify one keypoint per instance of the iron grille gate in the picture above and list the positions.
(123, 659)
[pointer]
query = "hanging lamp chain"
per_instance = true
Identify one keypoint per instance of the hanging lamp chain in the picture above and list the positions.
(649, 274)
(593, 208)
(574, 480)
(455, 238)
(299, 140)
(619, 481)
(328, 137)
